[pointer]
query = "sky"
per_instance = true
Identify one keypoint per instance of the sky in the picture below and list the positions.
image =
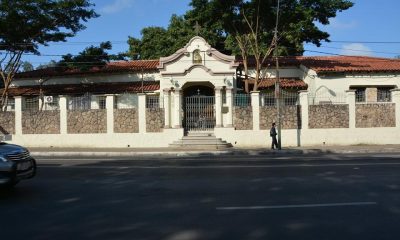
(369, 28)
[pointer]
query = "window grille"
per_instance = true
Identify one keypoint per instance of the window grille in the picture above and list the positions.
(360, 95)
(101, 101)
(322, 98)
(242, 100)
(384, 95)
(10, 106)
(287, 99)
(82, 102)
(153, 101)
(31, 103)
(267, 99)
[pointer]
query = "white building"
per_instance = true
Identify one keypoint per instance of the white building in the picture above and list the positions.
(154, 103)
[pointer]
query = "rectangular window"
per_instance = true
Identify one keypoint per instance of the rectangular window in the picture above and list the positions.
(10, 104)
(384, 94)
(31, 103)
(101, 100)
(82, 102)
(360, 94)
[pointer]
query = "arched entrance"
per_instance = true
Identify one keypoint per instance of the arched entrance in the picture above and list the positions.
(198, 107)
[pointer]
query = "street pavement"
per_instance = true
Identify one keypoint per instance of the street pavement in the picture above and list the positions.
(325, 196)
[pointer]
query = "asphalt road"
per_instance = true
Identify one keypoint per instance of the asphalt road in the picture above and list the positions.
(231, 197)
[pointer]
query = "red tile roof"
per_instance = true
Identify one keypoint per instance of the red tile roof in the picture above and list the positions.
(322, 64)
(112, 67)
(327, 64)
(284, 83)
(103, 88)
(350, 64)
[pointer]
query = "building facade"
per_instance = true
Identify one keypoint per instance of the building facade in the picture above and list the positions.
(154, 103)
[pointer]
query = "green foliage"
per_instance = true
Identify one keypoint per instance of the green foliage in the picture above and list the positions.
(90, 57)
(222, 20)
(27, 66)
(25, 24)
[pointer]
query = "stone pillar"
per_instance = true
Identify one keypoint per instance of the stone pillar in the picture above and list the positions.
(303, 95)
(255, 104)
(110, 113)
(396, 100)
(351, 100)
(167, 111)
(63, 115)
(142, 112)
(18, 115)
(177, 108)
(229, 103)
(218, 107)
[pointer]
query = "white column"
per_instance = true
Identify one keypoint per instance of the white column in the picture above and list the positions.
(351, 100)
(177, 108)
(218, 107)
(167, 108)
(110, 113)
(229, 103)
(142, 112)
(303, 95)
(396, 100)
(255, 104)
(63, 115)
(18, 115)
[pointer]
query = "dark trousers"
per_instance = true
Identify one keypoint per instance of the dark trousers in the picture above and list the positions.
(274, 143)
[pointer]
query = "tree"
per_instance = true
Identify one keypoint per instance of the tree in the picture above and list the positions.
(90, 57)
(27, 66)
(26, 24)
(222, 22)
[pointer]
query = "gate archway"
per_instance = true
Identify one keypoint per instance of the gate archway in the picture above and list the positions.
(199, 108)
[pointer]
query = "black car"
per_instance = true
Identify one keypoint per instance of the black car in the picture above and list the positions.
(16, 164)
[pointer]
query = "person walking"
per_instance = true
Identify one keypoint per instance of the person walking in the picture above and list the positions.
(272, 133)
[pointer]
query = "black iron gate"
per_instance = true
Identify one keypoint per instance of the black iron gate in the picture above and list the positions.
(199, 113)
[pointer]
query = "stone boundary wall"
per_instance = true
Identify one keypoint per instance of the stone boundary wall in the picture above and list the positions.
(126, 120)
(328, 116)
(154, 119)
(7, 122)
(87, 121)
(243, 118)
(41, 122)
(375, 115)
(290, 115)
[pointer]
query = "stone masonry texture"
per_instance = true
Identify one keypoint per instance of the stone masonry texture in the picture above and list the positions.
(41, 122)
(126, 121)
(290, 115)
(375, 115)
(7, 122)
(328, 116)
(243, 118)
(87, 121)
(154, 119)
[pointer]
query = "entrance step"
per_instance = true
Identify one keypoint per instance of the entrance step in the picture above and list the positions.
(200, 140)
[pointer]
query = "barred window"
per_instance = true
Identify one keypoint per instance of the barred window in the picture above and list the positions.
(30, 103)
(384, 95)
(10, 104)
(101, 100)
(82, 102)
(360, 94)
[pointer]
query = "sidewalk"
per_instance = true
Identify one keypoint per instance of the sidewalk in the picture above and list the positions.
(170, 152)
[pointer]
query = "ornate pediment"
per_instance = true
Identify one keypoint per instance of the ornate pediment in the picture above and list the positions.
(197, 52)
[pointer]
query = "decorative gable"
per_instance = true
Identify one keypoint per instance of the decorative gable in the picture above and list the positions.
(197, 54)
